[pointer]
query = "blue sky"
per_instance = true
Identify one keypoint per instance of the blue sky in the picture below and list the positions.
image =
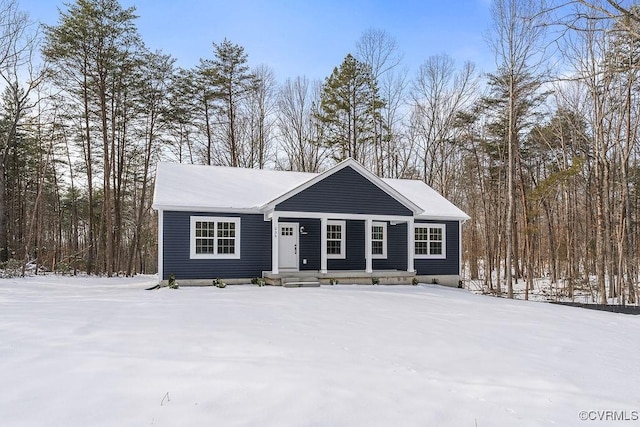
(309, 38)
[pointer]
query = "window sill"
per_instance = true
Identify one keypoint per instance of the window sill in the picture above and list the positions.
(429, 257)
(210, 256)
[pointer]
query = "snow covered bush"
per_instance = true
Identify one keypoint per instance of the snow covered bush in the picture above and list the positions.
(219, 283)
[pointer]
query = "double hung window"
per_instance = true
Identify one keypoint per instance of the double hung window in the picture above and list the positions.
(215, 237)
(430, 240)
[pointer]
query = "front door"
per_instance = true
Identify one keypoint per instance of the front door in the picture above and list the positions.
(288, 246)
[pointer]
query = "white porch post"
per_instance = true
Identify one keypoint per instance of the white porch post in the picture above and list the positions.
(410, 245)
(323, 244)
(367, 245)
(274, 243)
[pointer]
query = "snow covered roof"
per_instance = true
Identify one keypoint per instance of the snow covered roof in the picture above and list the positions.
(182, 186)
(432, 203)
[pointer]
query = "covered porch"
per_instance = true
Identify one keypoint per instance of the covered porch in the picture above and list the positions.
(343, 246)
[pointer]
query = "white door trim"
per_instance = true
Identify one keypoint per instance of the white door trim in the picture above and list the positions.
(296, 234)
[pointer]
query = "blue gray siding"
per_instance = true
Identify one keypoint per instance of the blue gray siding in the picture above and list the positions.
(355, 249)
(255, 249)
(346, 191)
(396, 249)
(448, 265)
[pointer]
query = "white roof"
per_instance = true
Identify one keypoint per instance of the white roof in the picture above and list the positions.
(433, 205)
(182, 186)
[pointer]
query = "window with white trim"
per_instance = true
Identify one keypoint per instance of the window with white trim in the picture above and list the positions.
(430, 240)
(336, 239)
(379, 240)
(215, 237)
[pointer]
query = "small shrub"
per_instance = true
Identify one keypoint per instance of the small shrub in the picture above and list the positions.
(460, 284)
(11, 268)
(375, 281)
(414, 281)
(172, 282)
(219, 283)
(333, 282)
(434, 281)
(258, 281)
(63, 268)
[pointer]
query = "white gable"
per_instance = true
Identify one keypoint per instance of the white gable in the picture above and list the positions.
(216, 188)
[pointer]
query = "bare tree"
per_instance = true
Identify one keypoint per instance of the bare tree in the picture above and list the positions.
(18, 44)
(439, 93)
(380, 51)
(613, 10)
(297, 132)
(517, 37)
(260, 105)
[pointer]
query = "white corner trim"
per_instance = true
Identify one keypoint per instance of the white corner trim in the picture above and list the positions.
(460, 269)
(160, 244)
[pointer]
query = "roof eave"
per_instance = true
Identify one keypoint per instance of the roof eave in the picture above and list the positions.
(462, 218)
(202, 208)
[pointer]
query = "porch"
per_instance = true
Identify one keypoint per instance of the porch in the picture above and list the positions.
(347, 277)
(338, 243)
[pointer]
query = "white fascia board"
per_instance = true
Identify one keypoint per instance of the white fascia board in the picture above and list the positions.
(206, 209)
(442, 218)
(375, 180)
(339, 216)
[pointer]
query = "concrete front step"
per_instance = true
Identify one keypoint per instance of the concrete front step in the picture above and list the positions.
(296, 282)
(302, 285)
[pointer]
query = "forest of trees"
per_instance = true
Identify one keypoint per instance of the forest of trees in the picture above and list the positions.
(542, 152)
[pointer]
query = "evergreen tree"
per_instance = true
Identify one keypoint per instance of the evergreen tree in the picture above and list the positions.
(232, 81)
(350, 109)
(94, 50)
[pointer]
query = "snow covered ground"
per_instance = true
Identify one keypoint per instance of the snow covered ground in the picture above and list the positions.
(106, 352)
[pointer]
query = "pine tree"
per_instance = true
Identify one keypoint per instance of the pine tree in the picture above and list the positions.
(93, 50)
(232, 82)
(350, 109)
